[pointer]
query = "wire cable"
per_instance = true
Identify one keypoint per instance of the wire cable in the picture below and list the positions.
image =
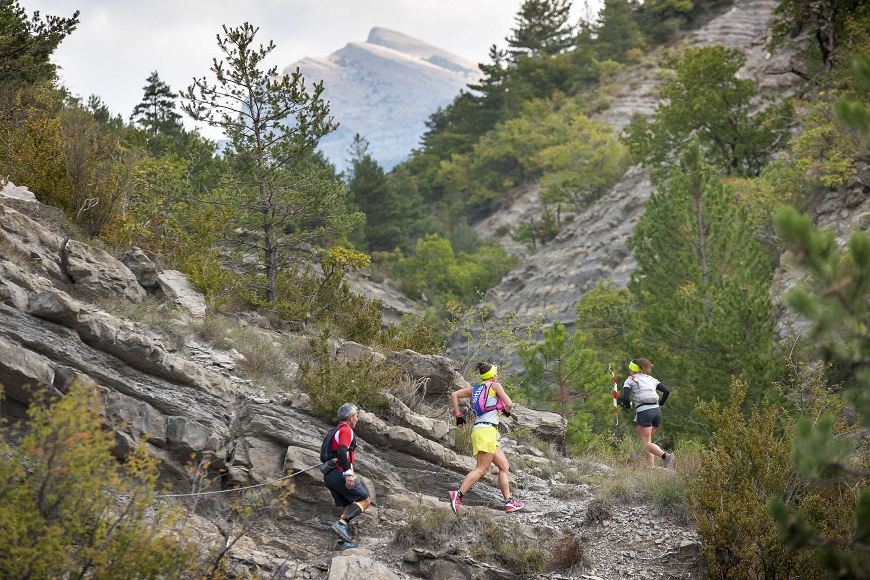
(294, 474)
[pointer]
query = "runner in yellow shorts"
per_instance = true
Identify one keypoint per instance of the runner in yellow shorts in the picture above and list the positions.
(484, 437)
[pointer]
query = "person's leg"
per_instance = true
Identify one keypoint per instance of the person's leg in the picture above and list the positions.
(510, 504)
(484, 460)
(360, 500)
(355, 501)
(652, 450)
(504, 467)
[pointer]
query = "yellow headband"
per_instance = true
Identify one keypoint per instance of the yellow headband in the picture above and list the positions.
(490, 373)
(633, 367)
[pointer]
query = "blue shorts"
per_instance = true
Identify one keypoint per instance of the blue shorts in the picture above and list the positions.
(343, 496)
(649, 418)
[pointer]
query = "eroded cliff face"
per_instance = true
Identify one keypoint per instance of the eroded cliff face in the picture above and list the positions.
(591, 249)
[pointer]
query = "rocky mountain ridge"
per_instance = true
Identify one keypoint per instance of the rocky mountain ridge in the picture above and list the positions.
(385, 89)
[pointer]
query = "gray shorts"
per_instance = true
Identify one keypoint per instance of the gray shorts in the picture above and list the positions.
(651, 417)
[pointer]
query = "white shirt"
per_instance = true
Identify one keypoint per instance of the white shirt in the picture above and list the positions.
(643, 389)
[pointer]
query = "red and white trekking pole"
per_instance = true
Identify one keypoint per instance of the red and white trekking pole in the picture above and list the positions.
(615, 394)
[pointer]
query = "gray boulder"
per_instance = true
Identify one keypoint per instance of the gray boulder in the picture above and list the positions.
(96, 273)
(20, 192)
(178, 288)
(435, 375)
(142, 267)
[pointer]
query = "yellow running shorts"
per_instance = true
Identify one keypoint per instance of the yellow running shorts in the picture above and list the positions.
(484, 439)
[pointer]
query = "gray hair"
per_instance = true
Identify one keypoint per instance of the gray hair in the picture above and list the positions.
(346, 411)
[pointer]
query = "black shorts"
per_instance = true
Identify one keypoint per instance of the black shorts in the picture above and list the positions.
(343, 496)
(649, 418)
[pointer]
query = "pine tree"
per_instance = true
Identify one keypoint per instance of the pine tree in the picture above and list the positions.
(156, 113)
(835, 302)
(617, 30)
(489, 97)
(820, 22)
(708, 101)
(541, 29)
(391, 218)
(702, 288)
(26, 44)
(283, 201)
(562, 373)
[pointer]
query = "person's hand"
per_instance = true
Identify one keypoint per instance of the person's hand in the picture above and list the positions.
(349, 482)
(460, 420)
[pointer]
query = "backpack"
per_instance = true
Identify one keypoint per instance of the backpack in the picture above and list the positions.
(479, 394)
(326, 450)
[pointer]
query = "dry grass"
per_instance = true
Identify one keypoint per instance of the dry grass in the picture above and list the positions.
(633, 481)
(493, 539)
(266, 358)
(215, 330)
(154, 314)
(427, 528)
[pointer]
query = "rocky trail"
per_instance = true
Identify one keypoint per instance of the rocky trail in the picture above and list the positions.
(186, 395)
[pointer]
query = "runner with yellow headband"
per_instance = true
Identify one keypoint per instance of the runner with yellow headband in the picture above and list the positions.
(484, 437)
(642, 387)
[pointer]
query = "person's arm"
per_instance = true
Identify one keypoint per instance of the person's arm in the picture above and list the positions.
(454, 397)
(626, 395)
(343, 457)
(499, 390)
(665, 392)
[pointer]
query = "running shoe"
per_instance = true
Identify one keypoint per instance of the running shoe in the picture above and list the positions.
(513, 505)
(669, 460)
(343, 545)
(341, 529)
(455, 501)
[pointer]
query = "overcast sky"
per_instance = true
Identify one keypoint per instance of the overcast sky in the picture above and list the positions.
(119, 42)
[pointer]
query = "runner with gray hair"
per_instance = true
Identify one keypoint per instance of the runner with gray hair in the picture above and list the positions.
(341, 482)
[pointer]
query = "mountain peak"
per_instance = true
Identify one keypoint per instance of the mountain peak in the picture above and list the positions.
(384, 89)
(385, 37)
(414, 47)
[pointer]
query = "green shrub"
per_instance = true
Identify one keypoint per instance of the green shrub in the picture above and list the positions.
(747, 464)
(414, 333)
(331, 383)
(304, 297)
(68, 509)
(579, 436)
